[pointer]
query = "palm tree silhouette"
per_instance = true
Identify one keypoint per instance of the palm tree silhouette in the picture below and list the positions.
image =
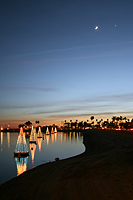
(92, 117)
(37, 122)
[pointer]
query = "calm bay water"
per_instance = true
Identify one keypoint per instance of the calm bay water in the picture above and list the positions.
(62, 145)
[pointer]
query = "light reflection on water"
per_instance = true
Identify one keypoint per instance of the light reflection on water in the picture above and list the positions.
(62, 145)
(21, 164)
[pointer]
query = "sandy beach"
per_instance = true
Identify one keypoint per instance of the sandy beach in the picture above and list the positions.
(103, 171)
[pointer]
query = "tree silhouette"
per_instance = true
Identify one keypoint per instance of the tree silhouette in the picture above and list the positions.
(125, 119)
(92, 117)
(76, 123)
(121, 118)
(37, 122)
(80, 124)
(113, 118)
(21, 125)
(85, 124)
(28, 123)
(117, 119)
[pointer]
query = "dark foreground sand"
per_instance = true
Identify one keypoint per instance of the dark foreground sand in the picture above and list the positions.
(104, 171)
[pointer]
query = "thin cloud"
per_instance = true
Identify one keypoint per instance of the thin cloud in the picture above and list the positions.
(118, 52)
(71, 48)
(71, 109)
(75, 104)
(107, 98)
(91, 114)
(12, 88)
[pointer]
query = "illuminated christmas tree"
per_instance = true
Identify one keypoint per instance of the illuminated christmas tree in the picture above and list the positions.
(39, 133)
(21, 146)
(33, 138)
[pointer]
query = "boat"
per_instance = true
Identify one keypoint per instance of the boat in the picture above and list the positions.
(21, 149)
(39, 133)
(33, 136)
(47, 131)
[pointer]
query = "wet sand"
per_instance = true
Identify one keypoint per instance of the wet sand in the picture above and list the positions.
(103, 171)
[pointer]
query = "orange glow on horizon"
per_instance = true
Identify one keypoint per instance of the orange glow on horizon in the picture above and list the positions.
(60, 121)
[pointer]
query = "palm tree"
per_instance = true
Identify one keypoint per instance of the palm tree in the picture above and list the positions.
(124, 118)
(92, 117)
(117, 119)
(71, 123)
(85, 124)
(28, 123)
(76, 124)
(37, 122)
(80, 124)
(21, 125)
(113, 118)
(121, 118)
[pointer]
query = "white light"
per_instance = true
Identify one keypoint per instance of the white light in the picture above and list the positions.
(96, 27)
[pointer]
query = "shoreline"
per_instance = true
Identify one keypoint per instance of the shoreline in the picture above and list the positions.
(103, 171)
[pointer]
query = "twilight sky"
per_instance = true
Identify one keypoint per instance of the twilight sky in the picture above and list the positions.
(55, 66)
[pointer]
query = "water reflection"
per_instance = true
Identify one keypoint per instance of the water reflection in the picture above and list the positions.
(55, 136)
(52, 138)
(21, 152)
(69, 137)
(21, 164)
(74, 134)
(47, 139)
(32, 149)
(77, 137)
(1, 140)
(65, 137)
(39, 142)
(8, 139)
(48, 147)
